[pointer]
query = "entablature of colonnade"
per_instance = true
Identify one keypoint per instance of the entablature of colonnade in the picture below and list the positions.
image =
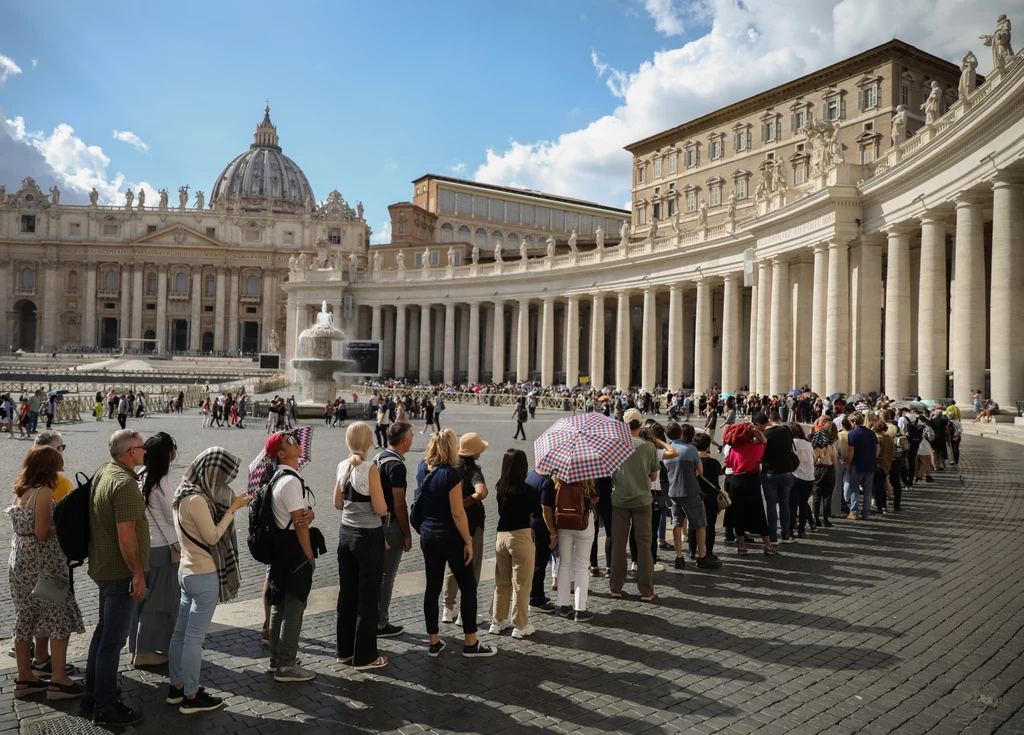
(979, 138)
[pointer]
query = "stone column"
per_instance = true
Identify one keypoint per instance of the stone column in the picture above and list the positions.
(161, 309)
(376, 330)
(732, 306)
(232, 345)
(195, 328)
(51, 308)
(6, 303)
(623, 343)
(764, 328)
(932, 311)
(968, 346)
(597, 341)
(547, 344)
(291, 335)
(837, 342)
(572, 341)
(124, 282)
(819, 318)
(425, 344)
(801, 278)
(752, 342)
(1006, 306)
(473, 369)
(388, 351)
(523, 342)
(218, 311)
(498, 342)
(675, 343)
(136, 330)
(400, 340)
(89, 331)
(689, 322)
(648, 340)
(897, 315)
(449, 343)
(462, 340)
(781, 320)
(413, 352)
(268, 309)
(702, 339)
(867, 339)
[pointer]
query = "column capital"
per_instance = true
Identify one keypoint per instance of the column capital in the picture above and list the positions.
(221, 270)
(898, 229)
(821, 247)
(732, 277)
(137, 267)
(234, 269)
(935, 216)
(971, 197)
(163, 268)
(780, 260)
(1004, 179)
(573, 297)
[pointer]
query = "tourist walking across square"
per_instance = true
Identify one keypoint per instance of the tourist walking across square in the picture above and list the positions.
(118, 561)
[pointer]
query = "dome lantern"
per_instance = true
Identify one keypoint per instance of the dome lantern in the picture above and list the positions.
(266, 133)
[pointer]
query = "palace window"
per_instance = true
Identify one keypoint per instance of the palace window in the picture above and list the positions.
(691, 157)
(641, 215)
(464, 234)
(740, 187)
(211, 286)
(657, 168)
(252, 286)
(586, 225)
(656, 210)
(529, 214)
(716, 148)
(480, 206)
(640, 178)
(905, 95)
(691, 200)
(672, 163)
(447, 232)
(798, 119)
(799, 173)
(867, 153)
(741, 139)
(28, 280)
(543, 217)
(465, 204)
(334, 236)
(714, 195)
(497, 209)
(151, 285)
(418, 260)
(672, 209)
(770, 130)
(512, 211)
(181, 282)
(832, 109)
(28, 223)
(446, 201)
(557, 219)
(481, 238)
(435, 258)
(110, 281)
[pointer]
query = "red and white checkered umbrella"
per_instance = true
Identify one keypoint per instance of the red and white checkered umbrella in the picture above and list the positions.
(583, 447)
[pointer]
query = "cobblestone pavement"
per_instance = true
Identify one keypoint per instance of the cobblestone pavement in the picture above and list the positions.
(908, 623)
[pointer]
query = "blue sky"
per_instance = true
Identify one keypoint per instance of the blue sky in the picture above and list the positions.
(367, 96)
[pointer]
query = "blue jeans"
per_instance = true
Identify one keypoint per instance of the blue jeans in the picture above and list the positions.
(115, 614)
(860, 483)
(195, 611)
(33, 421)
(776, 488)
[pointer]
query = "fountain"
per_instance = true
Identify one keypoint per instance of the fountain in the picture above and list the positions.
(316, 356)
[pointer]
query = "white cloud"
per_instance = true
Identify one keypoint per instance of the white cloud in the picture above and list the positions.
(457, 168)
(131, 139)
(8, 68)
(750, 47)
(667, 16)
(34, 62)
(389, 164)
(383, 234)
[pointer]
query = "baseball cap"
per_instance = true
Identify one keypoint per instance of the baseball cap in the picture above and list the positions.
(471, 444)
(273, 445)
(631, 415)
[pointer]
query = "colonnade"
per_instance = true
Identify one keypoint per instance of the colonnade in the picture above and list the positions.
(897, 310)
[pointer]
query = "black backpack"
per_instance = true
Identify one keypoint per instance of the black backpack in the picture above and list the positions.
(71, 519)
(523, 414)
(263, 530)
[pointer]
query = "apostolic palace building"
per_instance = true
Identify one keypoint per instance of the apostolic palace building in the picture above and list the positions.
(859, 228)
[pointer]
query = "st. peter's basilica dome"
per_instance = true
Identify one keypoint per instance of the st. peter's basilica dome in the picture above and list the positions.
(263, 177)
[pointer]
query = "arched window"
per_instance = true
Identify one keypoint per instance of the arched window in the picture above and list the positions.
(465, 235)
(252, 285)
(73, 281)
(513, 241)
(481, 238)
(110, 281)
(27, 279)
(211, 286)
(181, 282)
(528, 242)
(447, 232)
(498, 239)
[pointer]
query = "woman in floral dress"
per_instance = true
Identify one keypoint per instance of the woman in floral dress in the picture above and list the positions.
(34, 547)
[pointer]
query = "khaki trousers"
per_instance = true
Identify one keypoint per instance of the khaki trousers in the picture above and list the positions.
(641, 520)
(513, 575)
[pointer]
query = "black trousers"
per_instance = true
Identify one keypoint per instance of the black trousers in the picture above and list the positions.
(541, 541)
(519, 430)
(878, 489)
(711, 508)
(603, 513)
(441, 549)
(123, 420)
(799, 505)
(896, 480)
(381, 432)
(748, 504)
(823, 487)
(954, 444)
(49, 420)
(360, 568)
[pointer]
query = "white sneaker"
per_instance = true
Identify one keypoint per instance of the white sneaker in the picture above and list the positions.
(632, 566)
(522, 632)
(479, 620)
(659, 567)
(448, 616)
(497, 626)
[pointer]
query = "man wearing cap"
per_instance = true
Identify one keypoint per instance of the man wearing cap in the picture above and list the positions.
(631, 502)
(291, 572)
(391, 465)
(474, 490)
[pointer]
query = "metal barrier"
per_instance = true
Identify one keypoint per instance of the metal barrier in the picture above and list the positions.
(557, 403)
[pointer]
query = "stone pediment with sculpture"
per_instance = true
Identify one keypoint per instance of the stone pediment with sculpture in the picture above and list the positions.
(29, 196)
(179, 236)
(336, 209)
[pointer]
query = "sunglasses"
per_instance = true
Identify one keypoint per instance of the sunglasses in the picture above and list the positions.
(291, 439)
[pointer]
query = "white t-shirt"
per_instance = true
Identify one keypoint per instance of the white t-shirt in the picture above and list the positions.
(287, 498)
(160, 513)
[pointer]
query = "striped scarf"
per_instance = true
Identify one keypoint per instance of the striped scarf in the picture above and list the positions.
(208, 476)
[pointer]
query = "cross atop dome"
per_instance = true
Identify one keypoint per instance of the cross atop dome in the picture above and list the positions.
(266, 132)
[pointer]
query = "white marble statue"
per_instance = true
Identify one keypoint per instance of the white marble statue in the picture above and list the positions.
(163, 199)
(200, 200)
(599, 238)
(551, 246)
(54, 195)
(142, 199)
(273, 341)
(624, 233)
(572, 241)
(730, 211)
(182, 197)
(522, 250)
(359, 210)
(498, 254)
(324, 318)
(451, 256)
(94, 197)
(835, 148)
(968, 75)
(426, 258)
(761, 193)
(353, 266)
(302, 262)
(654, 229)
(323, 253)
(129, 199)
(378, 262)
(702, 213)
(292, 262)
(400, 260)
(1002, 52)
(933, 105)
(475, 255)
(899, 125)
(676, 227)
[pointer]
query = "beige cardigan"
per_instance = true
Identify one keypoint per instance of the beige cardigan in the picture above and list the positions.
(194, 516)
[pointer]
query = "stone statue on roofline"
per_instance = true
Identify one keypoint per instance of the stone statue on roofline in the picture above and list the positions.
(599, 238)
(572, 241)
(899, 125)
(129, 199)
(163, 200)
(624, 233)
(1002, 52)
(54, 195)
(933, 105)
(968, 75)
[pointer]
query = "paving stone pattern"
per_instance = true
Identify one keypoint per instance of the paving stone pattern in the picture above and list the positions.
(909, 623)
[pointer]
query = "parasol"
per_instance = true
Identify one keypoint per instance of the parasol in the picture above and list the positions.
(583, 447)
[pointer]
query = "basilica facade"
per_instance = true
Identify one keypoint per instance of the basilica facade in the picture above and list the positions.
(201, 275)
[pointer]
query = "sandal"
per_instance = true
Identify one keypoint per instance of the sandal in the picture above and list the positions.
(64, 691)
(28, 688)
(380, 663)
